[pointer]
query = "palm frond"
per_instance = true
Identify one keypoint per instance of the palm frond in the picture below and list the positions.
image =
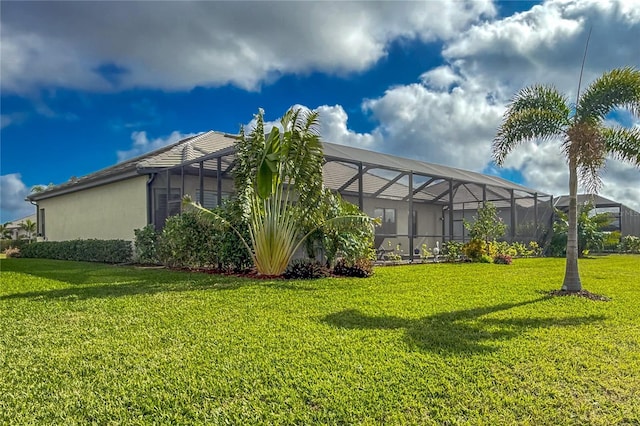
(537, 112)
(618, 88)
(623, 144)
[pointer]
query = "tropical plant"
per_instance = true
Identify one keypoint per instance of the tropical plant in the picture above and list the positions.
(542, 113)
(279, 181)
(487, 225)
(29, 227)
(590, 235)
(5, 232)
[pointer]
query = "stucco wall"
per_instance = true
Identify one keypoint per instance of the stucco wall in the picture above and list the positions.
(429, 221)
(105, 212)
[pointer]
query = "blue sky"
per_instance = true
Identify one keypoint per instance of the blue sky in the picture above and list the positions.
(87, 84)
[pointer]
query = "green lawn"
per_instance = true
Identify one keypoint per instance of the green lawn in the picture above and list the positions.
(424, 344)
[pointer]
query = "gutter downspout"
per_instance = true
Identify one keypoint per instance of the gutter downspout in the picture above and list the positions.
(152, 177)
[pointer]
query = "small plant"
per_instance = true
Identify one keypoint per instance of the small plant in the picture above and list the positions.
(361, 268)
(394, 256)
(485, 258)
(12, 252)
(305, 269)
(502, 259)
(475, 249)
(452, 250)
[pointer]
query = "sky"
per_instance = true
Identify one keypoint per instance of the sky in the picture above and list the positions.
(85, 85)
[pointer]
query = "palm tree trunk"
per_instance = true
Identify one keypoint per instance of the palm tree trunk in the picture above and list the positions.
(571, 274)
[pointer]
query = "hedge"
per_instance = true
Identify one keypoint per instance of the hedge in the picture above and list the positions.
(105, 251)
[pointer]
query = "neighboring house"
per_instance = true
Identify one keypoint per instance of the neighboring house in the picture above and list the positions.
(16, 230)
(623, 218)
(112, 202)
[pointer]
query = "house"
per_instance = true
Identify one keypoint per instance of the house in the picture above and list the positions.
(16, 230)
(623, 219)
(418, 202)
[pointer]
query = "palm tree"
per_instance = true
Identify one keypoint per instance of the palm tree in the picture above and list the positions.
(542, 113)
(5, 232)
(29, 227)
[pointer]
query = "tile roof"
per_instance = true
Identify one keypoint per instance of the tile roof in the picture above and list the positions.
(339, 170)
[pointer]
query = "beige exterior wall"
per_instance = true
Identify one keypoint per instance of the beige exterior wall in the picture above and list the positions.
(104, 212)
(429, 221)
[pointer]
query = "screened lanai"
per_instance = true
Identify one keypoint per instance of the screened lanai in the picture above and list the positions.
(419, 203)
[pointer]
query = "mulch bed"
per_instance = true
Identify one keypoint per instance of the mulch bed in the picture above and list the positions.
(581, 293)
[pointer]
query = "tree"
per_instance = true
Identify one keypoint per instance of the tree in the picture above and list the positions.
(29, 227)
(5, 232)
(278, 178)
(487, 225)
(542, 113)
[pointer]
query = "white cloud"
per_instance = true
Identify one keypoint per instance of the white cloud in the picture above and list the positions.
(213, 43)
(142, 144)
(12, 194)
(451, 115)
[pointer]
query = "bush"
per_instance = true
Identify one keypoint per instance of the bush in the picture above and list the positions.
(361, 268)
(12, 252)
(502, 259)
(105, 251)
(452, 250)
(474, 249)
(630, 244)
(187, 241)
(612, 241)
(306, 269)
(146, 244)
(193, 240)
(231, 252)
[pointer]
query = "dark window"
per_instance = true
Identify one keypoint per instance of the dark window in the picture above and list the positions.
(41, 222)
(388, 217)
(210, 200)
(165, 208)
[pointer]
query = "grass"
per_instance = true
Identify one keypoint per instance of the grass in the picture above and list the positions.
(425, 344)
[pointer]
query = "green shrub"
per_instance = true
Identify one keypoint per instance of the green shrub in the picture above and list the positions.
(452, 250)
(231, 253)
(187, 241)
(146, 244)
(475, 249)
(361, 268)
(347, 239)
(105, 251)
(306, 269)
(630, 244)
(193, 240)
(612, 241)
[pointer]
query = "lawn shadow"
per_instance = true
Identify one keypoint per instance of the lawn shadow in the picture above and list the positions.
(462, 331)
(100, 281)
(85, 281)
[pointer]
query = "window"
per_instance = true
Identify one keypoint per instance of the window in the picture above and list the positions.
(210, 200)
(164, 208)
(41, 223)
(388, 217)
